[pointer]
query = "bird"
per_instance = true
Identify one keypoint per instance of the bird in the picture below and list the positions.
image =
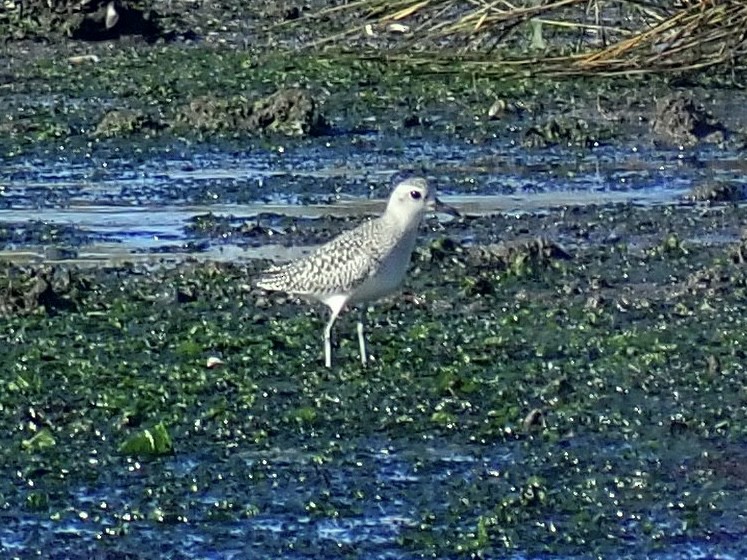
(360, 265)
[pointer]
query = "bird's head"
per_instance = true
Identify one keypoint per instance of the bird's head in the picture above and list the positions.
(412, 198)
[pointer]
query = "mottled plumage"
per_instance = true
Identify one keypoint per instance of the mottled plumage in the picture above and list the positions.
(362, 264)
(339, 266)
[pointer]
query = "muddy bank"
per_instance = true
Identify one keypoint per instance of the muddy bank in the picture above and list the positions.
(160, 95)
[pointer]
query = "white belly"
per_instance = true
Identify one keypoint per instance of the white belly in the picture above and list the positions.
(390, 274)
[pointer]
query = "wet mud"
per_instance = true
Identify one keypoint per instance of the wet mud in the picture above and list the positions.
(562, 375)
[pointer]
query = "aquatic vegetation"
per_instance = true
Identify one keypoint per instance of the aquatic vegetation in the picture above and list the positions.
(566, 410)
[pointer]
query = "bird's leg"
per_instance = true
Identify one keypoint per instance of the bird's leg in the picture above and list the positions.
(361, 337)
(328, 337)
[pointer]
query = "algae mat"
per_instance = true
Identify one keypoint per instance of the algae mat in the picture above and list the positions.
(575, 399)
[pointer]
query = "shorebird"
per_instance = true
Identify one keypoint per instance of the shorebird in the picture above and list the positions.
(363, 264)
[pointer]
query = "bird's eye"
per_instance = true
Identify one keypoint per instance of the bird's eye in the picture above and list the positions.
(416, 195)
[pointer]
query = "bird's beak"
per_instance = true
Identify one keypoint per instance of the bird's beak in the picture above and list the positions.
(438, 206)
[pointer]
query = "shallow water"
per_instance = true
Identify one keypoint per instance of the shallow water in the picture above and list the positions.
(133, 207)
(399, 481)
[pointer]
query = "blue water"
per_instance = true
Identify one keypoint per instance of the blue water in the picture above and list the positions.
(142, 203)
(378, 491)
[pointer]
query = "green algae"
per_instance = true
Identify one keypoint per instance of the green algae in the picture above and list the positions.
(640, 387)
(40, 440)
(153, 442)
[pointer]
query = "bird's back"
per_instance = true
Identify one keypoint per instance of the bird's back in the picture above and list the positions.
(338, 267)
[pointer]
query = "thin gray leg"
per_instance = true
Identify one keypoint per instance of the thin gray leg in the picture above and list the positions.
(328, 337)
(362, 337)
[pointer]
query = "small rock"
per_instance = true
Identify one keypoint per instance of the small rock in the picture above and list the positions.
(562, 131)
(83, 58)
(677, 425)
(411, 121)
(739, 252)
(291, 112)
(497, 109)
(538, 251)
(186, 294)
(60, 253)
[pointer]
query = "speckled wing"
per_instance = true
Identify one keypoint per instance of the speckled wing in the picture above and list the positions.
(335, 267)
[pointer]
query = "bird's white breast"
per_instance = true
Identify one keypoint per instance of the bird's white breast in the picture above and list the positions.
(390, 273)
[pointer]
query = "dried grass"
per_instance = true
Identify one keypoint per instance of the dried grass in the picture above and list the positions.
(588, 36)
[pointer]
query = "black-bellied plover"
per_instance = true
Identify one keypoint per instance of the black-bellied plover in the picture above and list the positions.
(363, 264)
